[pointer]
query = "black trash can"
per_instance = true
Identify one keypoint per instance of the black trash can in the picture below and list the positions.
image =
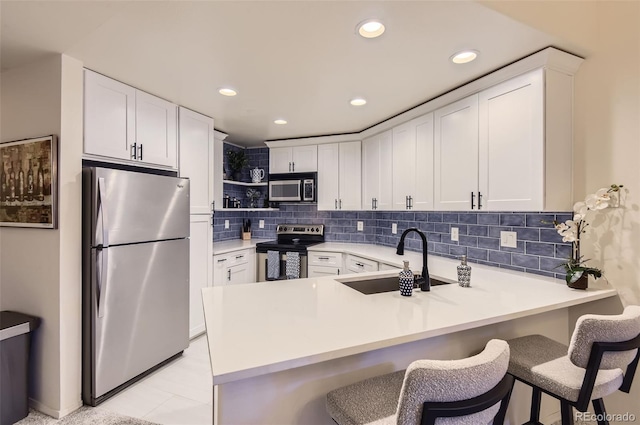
(15, 339)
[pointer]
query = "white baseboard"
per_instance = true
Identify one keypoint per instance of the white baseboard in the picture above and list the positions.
(56, 414)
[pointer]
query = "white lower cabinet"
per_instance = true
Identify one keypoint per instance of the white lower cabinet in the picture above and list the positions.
(355, 264)
(324, 264)
(234, 267)
(200, 269)
(385, 266)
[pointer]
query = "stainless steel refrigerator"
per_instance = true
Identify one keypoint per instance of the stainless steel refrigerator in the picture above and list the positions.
(135, 276)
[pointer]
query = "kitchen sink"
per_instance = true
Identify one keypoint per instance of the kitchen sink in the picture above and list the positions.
(378, 285)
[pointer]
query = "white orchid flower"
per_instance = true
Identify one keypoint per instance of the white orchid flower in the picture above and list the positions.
(595, 202)
(580, 208)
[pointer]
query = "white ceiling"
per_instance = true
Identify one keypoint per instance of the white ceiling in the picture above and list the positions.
(297, 60)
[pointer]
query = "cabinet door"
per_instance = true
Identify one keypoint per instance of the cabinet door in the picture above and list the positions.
(305, 159)
(200, 269)
(280, 160)
(109, 117)
(240, 273)
(220, 263)
(456, 155)
(156, 132)
(370, 171)
(511, 145)
(422, 197)
(404, 165)
(350, 176)
(196, 158)
(377, 172)
(328, 179)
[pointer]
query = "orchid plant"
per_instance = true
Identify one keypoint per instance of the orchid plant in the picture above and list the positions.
(571, 230)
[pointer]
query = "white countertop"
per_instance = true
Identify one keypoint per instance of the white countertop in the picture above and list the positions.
(254, 329)
(233, 245)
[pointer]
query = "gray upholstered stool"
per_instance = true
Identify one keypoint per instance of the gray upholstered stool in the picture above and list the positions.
(590, 368)
(468, 391)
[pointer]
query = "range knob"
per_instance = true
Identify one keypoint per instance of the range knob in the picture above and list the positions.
(285, 229)
(317, 229)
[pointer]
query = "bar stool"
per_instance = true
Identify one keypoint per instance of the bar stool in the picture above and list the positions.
(470, 391)
(590, 368)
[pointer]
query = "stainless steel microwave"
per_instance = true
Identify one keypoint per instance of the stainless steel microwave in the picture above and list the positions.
(300, 187)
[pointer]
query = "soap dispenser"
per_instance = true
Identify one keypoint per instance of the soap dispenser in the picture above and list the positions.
(406, 280)
(464, 273)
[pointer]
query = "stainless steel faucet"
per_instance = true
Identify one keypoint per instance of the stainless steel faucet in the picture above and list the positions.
(424, 281)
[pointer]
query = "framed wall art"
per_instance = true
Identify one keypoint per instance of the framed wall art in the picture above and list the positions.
(28, 183)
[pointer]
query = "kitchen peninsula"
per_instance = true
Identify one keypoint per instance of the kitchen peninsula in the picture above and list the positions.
(277, 348)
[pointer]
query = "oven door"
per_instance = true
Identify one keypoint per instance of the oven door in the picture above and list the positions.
(262, 266)
(285, 190)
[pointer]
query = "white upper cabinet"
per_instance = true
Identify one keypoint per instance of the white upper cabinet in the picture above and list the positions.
(339, 176)
(456, 155)
(507, 148)
(156, 130)
(377, 172)
(296, 159)
(197, 158)
(511, 145)
(109, 117)
(123, 124)
(413, 164)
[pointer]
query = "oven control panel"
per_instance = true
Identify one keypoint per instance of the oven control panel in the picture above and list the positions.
(300, 229)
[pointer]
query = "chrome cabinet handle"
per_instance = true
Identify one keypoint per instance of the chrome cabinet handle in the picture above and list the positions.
(239, 257)
(473, 197)
(222, 260)
(229, 275)
(323, 258)
(410, 202)
(340, 203)
(289, 167)
(479, 200)
(336, 204)
(133, 151)
(140, 152)
(293, 167)
(359, 264)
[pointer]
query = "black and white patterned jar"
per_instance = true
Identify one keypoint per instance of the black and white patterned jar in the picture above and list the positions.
(406, 280)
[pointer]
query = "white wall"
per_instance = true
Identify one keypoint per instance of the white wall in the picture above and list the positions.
(40, 269)
(606, 133)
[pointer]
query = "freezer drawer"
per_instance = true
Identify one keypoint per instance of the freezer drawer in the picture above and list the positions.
(139, 310)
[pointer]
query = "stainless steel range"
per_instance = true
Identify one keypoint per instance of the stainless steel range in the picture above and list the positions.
(291, 238)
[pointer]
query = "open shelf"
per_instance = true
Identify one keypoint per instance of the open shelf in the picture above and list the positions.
(237, 183)
(248, 209)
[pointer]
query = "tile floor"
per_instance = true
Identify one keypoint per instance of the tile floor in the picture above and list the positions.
(180, 393)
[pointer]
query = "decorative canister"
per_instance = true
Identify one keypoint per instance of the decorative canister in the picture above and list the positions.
(464, 273)
(406, 280)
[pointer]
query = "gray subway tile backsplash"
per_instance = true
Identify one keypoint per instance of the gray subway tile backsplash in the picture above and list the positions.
(539, 250)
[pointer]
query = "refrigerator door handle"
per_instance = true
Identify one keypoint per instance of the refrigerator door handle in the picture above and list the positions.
(101, 280)
(103, 210)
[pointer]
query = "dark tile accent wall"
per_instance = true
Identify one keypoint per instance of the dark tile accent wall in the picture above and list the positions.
(539, 249)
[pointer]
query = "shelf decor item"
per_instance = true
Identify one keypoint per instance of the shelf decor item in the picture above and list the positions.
(237, 161)
(576, 269)
(253, 195)
(28, 183)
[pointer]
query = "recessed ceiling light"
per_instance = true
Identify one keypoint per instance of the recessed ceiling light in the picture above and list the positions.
(280, 122)
(371, 28)
(464, 56)
(358, 101)
(227, 92)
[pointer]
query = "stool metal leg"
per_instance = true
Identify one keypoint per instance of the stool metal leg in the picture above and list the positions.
(601, 413)
(567, 413)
